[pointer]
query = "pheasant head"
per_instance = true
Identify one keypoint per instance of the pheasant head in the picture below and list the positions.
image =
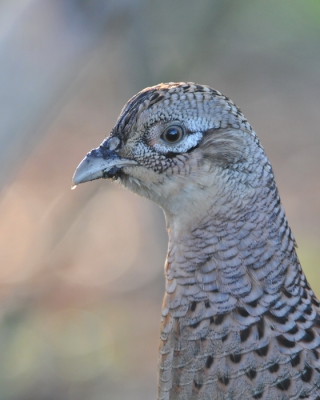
(182, 145)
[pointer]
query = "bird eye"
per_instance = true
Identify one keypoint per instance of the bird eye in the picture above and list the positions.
(172, 134)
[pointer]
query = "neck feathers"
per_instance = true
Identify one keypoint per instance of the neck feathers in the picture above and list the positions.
(222, 276)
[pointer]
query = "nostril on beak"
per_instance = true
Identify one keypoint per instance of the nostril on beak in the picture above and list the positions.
(113, 143)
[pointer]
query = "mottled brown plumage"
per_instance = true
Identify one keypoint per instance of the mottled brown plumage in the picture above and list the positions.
(239, 319)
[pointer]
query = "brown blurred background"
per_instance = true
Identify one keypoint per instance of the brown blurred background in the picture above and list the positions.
(82, 271)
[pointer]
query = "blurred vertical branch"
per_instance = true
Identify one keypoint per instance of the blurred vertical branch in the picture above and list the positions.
(43, 46)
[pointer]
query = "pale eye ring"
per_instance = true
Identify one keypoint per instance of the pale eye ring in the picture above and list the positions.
(172, 134)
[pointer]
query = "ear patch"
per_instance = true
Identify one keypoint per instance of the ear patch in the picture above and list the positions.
(223, 146)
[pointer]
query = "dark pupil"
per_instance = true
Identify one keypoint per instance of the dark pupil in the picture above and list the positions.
(172, 135)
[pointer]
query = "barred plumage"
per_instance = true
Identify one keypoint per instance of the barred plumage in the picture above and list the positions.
(239, 319)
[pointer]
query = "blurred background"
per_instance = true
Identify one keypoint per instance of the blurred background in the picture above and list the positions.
(81, 272)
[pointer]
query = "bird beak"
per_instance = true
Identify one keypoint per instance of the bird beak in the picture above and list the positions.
(99, 163)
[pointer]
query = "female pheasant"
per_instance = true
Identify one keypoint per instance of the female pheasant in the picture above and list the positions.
(239, 320)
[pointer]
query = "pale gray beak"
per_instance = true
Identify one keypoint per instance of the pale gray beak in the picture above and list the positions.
(99, 163)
